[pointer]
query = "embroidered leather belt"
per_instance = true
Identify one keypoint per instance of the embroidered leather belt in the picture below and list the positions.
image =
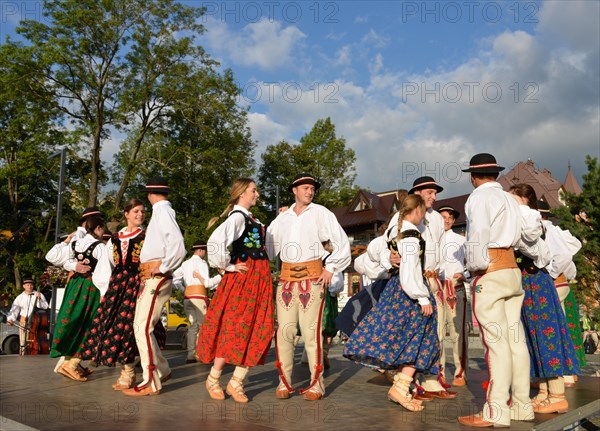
(146, 269)
(561, 279)
(500, 258)
(301, 271)
(195, 289)
(431, 274)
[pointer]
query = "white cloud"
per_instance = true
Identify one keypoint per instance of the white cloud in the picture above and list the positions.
(361, 19)
(372, 38)
(266, 44)
(523, 96)
(344, 56)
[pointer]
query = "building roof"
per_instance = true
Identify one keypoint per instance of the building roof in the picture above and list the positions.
(570, 184)
(456, 202)
(546, 187)
(367, 208)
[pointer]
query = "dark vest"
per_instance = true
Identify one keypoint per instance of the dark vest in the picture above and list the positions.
(251, 244)
(86, 257)
(411, 233)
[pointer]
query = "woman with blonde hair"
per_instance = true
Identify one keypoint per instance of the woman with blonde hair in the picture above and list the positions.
(239, 324)
(400, 332)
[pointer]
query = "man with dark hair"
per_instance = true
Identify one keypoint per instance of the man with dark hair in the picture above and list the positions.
(493, 230)
(297, 236)
(453, 277)
(162, 252)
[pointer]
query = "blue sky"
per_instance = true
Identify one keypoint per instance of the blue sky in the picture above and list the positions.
(415, 87)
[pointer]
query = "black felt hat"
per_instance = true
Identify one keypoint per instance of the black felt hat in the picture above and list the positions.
(28, 279)
(304, 178)
(157, 185)
(483, 163)
(199, 245)
(89, 212)
(423, 183)
(449, 209)
(544, 208)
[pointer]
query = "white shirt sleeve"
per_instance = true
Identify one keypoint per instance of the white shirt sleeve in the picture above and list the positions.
(174, 245)
(178, 282)
(337, 283)
(59, 254)
(15, 309)
(411, 272)
(223, 236)
(341, 256)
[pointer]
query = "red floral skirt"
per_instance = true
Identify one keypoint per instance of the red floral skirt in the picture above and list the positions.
(240, 321)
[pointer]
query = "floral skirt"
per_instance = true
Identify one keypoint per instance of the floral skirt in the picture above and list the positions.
(358, 306)
(574, 329)
(396, 333)
(548, 340)
(76, 315)
(111, 338)
(240, 321)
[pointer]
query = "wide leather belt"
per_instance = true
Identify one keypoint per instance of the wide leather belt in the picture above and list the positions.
(561, 279)
(146, 269)
(431, 274)
(301, 271)
(500, 258)
(195, 289)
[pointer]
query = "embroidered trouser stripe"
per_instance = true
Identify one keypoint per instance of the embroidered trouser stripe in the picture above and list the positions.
(153, 296)
(299, 303)
(497, 301)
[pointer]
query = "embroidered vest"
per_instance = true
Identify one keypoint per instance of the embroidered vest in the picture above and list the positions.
(251, 244)
(86, 257)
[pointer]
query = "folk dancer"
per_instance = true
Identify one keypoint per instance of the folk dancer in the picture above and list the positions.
(240, 322)
(193, 278)
(22, 309)
(400, 332)
(297, 237)
(550, 346)
(493, 230)
(453, 277)
(60, 256)
(81, 297)
(432, 230)
(563, 246)
(162, 252)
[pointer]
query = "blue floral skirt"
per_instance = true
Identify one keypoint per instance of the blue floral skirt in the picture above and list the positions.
(548, 340)
(396, 333)
(358, 306)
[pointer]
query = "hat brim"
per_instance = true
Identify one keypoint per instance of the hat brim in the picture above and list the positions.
(455, 213)
(437, 188)
(490, 170)
(306, 181)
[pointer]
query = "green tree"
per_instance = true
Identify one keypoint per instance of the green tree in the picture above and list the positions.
(29, 133)
(581, 216)
(205, 147)
(321, 153)
(96, 50)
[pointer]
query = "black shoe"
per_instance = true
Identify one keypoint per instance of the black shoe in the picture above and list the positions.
(190, 361)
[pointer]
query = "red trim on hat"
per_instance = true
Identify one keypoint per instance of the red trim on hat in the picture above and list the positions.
(425, 184)
(90, 213)
(302, 179)
(484, 165)
(156, 186)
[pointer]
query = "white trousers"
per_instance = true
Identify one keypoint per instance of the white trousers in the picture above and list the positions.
(300, 304)
(195, 307)
(155, 292)
(456, 325)
(497, 300)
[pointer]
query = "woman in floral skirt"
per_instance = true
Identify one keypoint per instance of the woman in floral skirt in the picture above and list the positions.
(239, 324)
(111, 338)
(400, 332)
(548, 339)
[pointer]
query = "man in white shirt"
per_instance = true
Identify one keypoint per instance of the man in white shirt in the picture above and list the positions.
(162, 252)
(453, 277)
(297, 236)
(432, 231)
(193, 278)
(22, 309)
(493, 230)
